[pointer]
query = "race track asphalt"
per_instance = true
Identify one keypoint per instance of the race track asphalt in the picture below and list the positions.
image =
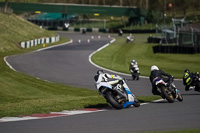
(69, 64)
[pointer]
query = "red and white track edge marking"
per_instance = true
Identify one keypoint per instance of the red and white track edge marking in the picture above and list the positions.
(63, 113)
(50, 115)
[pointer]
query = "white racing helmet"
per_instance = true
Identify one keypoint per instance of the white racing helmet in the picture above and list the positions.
(154, 67)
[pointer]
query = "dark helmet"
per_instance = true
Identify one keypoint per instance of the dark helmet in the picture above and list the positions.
(100, 72)
(187, 71)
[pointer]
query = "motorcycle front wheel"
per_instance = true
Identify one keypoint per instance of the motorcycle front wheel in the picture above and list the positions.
(167, 94)
(133, 76)
(136, 102)
(180, 98)
(137, 76)
(111, 98)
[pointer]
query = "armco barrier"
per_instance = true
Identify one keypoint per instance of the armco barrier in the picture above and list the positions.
(35, 42)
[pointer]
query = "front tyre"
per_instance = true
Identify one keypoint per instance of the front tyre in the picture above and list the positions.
(136, 102)
(137, 76)
(111, 98)
(167, 94)
(180, 98)
(133, 76)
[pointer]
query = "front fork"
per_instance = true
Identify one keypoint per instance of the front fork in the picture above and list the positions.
(174, 90)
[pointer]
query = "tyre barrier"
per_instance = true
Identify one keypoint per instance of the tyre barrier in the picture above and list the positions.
(160, 40)
(176, 49)
(133, 31)
(153, 40)
(35, 42)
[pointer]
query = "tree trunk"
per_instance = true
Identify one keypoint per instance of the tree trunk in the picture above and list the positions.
(147, 4)
(164, 11)
(6, 6)
(121, 2)
(104, 2)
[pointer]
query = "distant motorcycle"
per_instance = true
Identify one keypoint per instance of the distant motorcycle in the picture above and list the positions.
(135, 73)
(168, 91)
(129, 38)
(195, 84)
(117, 94)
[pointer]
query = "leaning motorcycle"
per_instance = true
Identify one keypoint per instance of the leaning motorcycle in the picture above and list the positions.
(117, 93)
(129, 39)
(135, 73)
(195, 84)
(168, 91)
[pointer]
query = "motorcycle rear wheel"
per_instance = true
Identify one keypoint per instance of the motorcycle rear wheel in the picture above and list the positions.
(111, 99)
(167, 95)
(197, 87)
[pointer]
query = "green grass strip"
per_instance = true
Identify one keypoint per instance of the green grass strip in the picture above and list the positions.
(117, 56)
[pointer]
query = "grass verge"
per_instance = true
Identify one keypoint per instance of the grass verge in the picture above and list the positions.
(21, 94)
(117, 56)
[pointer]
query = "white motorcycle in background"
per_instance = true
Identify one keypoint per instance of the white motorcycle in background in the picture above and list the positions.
(135, 73)
(117, 93)
(129, 38)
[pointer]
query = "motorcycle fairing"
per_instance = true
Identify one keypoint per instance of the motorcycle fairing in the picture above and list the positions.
(104, 84)
(127, 104)
(130, 99)
(137, 69)
(159, 81)
(128, 91)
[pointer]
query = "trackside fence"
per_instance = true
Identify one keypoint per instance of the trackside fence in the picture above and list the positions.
(36, 42)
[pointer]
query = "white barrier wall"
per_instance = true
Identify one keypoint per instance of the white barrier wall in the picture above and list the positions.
(35, 42)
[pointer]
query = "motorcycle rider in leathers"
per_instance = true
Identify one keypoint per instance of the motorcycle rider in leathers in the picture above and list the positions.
(101, 76)
(156, 73)
(133, 65)
(134, 69)
(189, 79)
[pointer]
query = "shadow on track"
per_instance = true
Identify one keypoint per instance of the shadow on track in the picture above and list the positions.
(193, 94)
(99, 106)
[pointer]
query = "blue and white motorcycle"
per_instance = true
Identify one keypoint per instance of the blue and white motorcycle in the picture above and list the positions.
(117, 93)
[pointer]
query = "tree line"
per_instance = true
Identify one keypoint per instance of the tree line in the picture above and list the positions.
(137, 3)
(173, 6)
